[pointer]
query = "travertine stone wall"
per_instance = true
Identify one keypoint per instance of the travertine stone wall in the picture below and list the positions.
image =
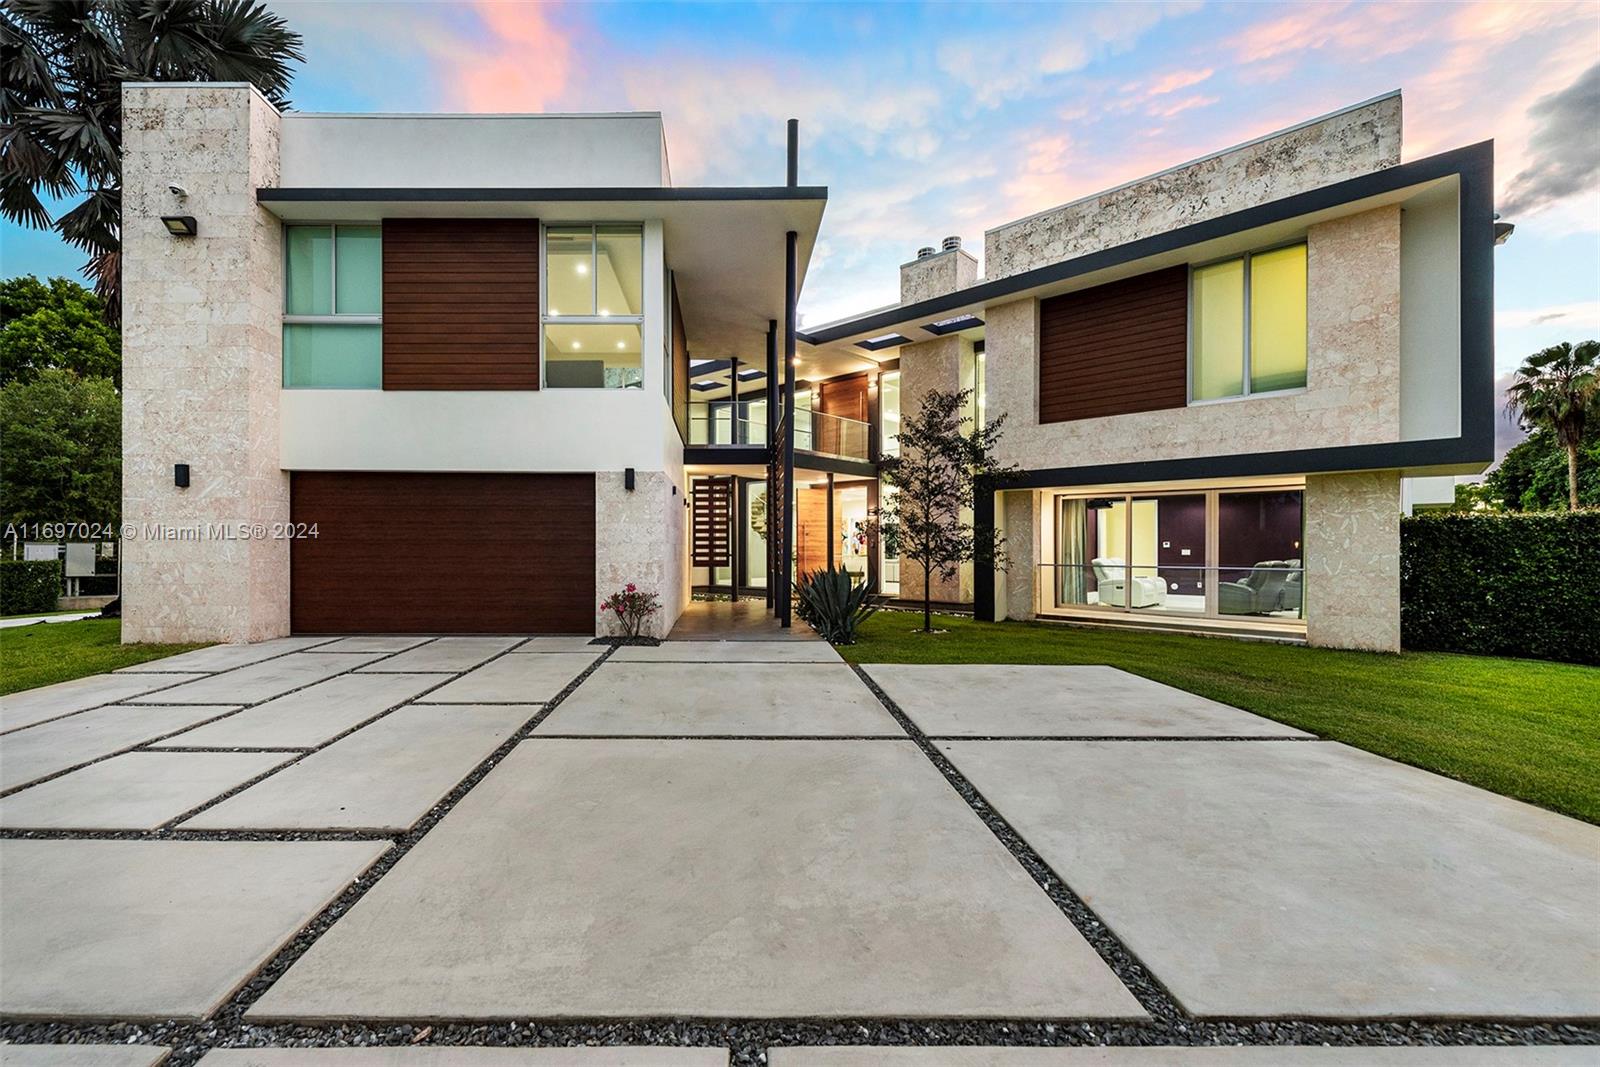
(640, 538)
(1019, 511)
(925, 366)
(1352, 393)
(936, 275)
(1345, 145)
(1352, 559)
(201, 346)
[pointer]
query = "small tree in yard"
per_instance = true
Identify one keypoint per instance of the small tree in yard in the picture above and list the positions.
(943, 454)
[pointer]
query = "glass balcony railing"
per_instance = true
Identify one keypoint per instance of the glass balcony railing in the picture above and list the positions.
(727, 423)
(1268, 590)
(745, 423)
(832, 435)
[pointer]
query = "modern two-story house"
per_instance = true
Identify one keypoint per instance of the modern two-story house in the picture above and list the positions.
(470, 373)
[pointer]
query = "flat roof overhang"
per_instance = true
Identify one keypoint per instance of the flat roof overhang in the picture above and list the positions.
(724, 245)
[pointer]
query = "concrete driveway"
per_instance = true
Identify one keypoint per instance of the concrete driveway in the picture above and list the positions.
(727, 847)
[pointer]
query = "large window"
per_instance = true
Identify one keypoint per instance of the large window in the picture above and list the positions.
(1248, 325)
(594, 306)
(889, 413)
(333, 307)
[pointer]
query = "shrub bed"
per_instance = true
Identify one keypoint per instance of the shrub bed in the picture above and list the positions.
(29, 587)
(1502, 585)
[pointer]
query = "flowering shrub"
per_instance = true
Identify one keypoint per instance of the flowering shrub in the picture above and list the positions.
(631, 608)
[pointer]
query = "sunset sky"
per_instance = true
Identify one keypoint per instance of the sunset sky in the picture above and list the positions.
(927, 120)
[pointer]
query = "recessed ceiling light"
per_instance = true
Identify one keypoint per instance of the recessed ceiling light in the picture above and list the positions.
(581, 268)
(621, 345)
(577, 345)
(555, 311)
(605, 312)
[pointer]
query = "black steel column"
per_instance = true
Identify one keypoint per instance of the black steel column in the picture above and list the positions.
(794, 153)
(833, 529)
(790, 275)
(772, 440)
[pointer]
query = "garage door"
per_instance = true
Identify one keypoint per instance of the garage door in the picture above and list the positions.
(443, 553)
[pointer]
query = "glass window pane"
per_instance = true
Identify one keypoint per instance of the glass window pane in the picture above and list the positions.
(1169, 553)
(1278, 319)
(889, 413)
(358, 277)
(1260, 568)
(593, 356)
(755, 535)
(332, 357)
(1217, 310)
(1104, 552)
(619, 258)
(308, 284)
(569, 267)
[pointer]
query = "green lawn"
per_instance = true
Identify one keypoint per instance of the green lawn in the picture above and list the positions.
(1524, 728)
(49, 652)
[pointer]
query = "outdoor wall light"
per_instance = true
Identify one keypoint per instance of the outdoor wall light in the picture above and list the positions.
(180, 475)
(627, 479)
(180, 225)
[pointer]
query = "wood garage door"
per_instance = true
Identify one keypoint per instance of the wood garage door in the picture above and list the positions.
(443, 553)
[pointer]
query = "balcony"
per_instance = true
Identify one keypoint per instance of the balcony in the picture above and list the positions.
(744, 424)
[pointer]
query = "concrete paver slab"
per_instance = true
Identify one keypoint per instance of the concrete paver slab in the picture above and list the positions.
(687, 699)
(373, 643)
(712, 652)
(707, 878)
(155, 929)
(40, 751)
(1259, 878)
(64, 698)
(134, 791)
(309, 717)
(451, 1056)
(515, 679)
(82, 1055)
(573, 643)
(382, 777)
(226, 657)
(259, 681)
(450, 654)
(1211, 1056)
(978, 700)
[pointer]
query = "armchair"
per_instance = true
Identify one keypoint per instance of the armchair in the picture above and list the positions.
(1265, 589)
(1117, 590)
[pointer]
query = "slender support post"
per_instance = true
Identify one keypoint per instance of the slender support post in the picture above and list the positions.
(833, 529)
(794, 153)
(790, 280)
(772, 444)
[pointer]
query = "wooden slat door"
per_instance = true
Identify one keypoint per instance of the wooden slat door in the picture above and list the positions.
(443, 553)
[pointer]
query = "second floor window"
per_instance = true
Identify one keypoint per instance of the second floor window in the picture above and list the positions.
(333, 307)
(1247, 319)
(594, 306)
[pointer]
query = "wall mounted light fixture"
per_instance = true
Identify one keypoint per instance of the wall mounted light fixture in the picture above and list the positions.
(627, 479)
(180, 225)
(180, 475)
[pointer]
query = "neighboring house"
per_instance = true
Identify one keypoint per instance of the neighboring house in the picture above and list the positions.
(504, 366)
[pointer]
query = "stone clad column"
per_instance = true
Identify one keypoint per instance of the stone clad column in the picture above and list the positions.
(1352, 560)
(202, 367)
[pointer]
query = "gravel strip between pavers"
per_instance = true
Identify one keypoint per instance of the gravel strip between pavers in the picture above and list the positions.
(749, 1039)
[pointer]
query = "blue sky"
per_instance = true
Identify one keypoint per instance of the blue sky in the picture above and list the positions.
(927, 120)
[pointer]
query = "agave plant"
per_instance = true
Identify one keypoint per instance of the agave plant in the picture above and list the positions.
(834, 605)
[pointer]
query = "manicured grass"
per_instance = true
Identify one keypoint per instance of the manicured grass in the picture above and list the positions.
(1524, 728)
(39, 614)
(49, 652)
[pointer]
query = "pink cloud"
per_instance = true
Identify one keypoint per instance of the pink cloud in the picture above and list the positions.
(523, 66)
(1172, 81)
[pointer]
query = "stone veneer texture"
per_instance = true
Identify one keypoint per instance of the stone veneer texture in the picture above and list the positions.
(1346, 145)
(1352, 560)
(936, 275)
(1019, 512)
(201, 365)
(925, 366)
(640, 537)
(1352, 393)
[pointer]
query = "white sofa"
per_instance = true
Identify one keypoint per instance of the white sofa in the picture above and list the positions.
(1118, 590)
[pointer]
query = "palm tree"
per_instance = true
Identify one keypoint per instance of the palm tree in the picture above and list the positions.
(1559, 389)
(61, 102)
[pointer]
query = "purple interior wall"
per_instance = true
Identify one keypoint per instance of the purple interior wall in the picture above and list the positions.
(1255, 527)
(1180, 525)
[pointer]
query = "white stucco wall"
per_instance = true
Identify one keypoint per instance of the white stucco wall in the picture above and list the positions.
(474, 151)
(1430, 315)
(201, 366)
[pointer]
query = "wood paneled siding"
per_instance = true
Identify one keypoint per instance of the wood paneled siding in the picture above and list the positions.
(1116, 348)
(442, 553)
(846, 398)
(461, 304)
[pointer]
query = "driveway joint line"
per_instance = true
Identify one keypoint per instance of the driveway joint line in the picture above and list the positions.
(1164, 738)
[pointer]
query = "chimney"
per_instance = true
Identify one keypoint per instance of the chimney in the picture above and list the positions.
(937, 272)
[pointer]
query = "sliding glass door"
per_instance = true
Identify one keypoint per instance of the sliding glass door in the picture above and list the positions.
(1204, 553)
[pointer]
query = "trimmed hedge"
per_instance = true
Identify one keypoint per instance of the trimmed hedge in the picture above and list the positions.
(1502, 584)
(29, 586)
